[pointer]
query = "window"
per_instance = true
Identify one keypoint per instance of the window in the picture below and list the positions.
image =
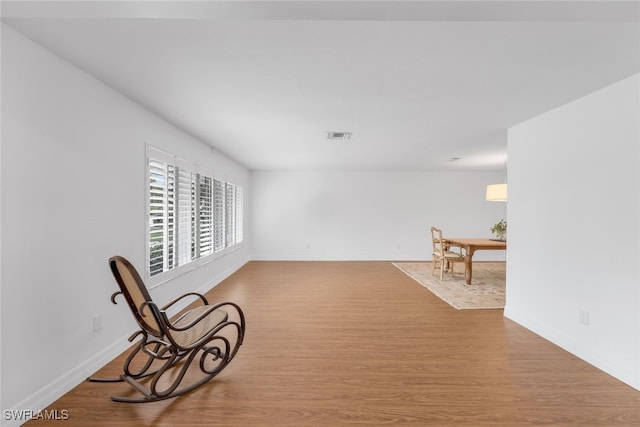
(191, 215)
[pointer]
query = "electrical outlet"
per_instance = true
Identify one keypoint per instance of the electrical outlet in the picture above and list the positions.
(583, 317)
(97, 322)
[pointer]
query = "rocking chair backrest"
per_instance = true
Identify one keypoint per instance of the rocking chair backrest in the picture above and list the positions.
(136, 294)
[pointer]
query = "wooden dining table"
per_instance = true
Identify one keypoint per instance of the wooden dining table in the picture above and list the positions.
(471, 245)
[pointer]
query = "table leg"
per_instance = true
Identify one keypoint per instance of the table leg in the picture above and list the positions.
(468, 265)
(447, 264)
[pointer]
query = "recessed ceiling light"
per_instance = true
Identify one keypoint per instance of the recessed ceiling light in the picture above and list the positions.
(341, 136)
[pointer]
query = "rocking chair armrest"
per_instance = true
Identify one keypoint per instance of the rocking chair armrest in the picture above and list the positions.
(200, 296)
(152, 306)
(171, 325)
(235, 306)
(210, 309)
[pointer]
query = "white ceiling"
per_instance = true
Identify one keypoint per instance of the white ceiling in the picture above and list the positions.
(417, 82)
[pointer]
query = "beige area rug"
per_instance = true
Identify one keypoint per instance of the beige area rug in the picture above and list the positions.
(487, 289)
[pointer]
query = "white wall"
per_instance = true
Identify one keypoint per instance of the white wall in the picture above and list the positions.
(73, 194)
(574, 228)
(367, 215)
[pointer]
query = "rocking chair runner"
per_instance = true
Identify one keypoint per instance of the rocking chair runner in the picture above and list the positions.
(168, 347)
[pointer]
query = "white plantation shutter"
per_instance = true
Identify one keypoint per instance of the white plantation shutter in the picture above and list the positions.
(190, 214)
(229, 214)
(161, 216)
(239, 208)
(205, 216)
(186, 204)
(218, 215)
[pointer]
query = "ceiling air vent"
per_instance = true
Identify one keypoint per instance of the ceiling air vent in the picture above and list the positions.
(339, 136)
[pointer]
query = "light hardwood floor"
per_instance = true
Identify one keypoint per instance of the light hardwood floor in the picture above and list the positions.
(360, 343)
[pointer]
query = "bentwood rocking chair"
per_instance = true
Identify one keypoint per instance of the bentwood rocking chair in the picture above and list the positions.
(209, 335)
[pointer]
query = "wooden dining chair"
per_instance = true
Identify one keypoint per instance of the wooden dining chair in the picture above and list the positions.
(444, 255)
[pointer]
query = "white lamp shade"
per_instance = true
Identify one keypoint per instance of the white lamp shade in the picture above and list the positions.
(497, 192)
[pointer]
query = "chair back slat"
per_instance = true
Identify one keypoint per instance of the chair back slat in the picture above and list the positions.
(136, 294)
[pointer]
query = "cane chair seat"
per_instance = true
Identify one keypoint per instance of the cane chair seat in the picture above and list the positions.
(188, 337)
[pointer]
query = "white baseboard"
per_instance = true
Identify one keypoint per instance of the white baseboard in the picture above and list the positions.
(50, 393)
(54, 390)
(589, 355)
